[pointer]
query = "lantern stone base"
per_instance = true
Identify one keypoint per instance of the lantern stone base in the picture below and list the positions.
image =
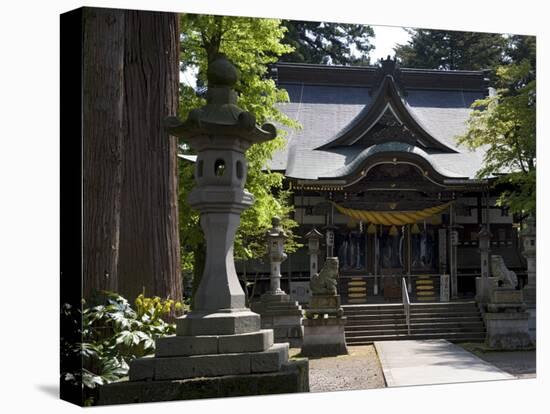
(292, 377)
(218, 323)
(282, 315)
(324, 337)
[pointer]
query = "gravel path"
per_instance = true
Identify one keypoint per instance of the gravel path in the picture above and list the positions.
(359, 370)
(521, 364)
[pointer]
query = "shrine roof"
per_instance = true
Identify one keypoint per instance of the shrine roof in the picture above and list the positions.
(344, 110)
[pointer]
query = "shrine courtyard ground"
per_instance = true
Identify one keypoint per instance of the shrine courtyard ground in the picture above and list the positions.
(363, 368)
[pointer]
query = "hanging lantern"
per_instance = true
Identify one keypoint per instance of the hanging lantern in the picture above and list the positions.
(415, 229)
(393, 231)
(371, 229)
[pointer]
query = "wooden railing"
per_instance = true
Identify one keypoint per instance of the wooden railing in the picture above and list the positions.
(406, 304)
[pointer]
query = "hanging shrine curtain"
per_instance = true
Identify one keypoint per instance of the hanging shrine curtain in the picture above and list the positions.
(392, 218)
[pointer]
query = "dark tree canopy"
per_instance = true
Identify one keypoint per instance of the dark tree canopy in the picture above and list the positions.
(328, 43)
(452, 50)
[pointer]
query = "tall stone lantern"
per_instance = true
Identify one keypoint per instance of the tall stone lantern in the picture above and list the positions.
(313, 238)
(528, 236)
(220, 337)
(482, 283)
(276, 237)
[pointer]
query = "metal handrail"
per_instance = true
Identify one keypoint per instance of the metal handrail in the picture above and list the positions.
(406, 304)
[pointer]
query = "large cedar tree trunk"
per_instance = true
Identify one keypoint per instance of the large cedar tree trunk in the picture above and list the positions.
(149, 258)
(103, 88)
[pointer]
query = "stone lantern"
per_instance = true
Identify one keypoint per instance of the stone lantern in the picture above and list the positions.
(276, 237)
(220, 337)
(313, 238)
(482, 283)
(278, 311)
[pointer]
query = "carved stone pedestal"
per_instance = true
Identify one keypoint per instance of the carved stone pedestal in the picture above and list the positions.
(506, 320)
(324, 337)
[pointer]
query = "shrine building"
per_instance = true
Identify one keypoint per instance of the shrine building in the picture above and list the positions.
(376, 169)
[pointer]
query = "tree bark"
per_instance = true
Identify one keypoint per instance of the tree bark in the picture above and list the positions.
(149, 257)
(103, 92)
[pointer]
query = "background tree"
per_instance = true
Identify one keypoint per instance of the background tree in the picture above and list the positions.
(149, 258)
(328, 43)
(131, 77)
(506, 125)
(252, 44)
(103, 69)
(451, 50)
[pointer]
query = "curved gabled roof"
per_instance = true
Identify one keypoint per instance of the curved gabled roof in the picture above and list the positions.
(389, 110)
(425, 109)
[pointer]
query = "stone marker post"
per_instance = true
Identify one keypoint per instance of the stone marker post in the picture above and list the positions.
(219, 345)
(313, 238)
(482, 283)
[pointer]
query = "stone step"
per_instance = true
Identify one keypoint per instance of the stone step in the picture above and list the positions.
(388, 326)
(362, 334)
(450, 336)
(374, 313)
(371, 317)
(443, 319)
(395, 321)
(445, 315)
(373, 308)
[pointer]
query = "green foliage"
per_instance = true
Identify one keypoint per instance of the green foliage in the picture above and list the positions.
(505, 124)
(251, 44)
(113, 334)
(451, 50)
(328, 43)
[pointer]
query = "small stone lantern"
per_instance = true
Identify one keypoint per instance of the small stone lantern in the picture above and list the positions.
(276, 237)
(482, 283)
(313, 238)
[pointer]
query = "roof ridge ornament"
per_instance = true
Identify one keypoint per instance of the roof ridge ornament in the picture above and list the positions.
(389, 67)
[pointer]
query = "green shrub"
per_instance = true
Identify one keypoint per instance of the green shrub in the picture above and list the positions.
(113, 334)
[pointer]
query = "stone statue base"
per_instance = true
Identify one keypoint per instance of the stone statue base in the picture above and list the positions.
(506, 320)
(507, 330)
(324, 337)
(324, 305)
(282, 315)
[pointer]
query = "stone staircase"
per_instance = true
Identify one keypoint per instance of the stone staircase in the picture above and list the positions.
(454, 321)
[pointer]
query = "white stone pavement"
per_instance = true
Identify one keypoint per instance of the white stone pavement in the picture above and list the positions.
(435, 361)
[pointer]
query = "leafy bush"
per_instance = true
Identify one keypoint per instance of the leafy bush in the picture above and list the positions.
(113, 334)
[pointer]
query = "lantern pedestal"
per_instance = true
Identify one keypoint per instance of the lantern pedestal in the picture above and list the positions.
(282, 315)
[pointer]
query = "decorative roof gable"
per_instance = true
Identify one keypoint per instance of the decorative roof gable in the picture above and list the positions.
(388, 119)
